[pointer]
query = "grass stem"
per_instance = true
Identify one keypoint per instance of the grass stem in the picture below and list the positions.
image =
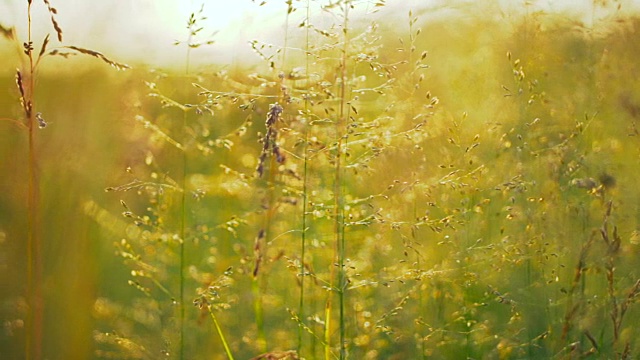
(34, 259)
(227, 349)
(304, 193)
(338, 186)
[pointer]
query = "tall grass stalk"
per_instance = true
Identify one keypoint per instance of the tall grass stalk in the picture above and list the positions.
(264, 234)
(183, 213)
(183, 196)
(303, 234)
(259, 314)
(194, 27)
(34, 246)
(35, 317)
(342, 141)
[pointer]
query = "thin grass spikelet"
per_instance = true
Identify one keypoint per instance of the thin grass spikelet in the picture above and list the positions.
(26, 104)
(20, 84)
(53, 11)
(45, 42)
(99, 55)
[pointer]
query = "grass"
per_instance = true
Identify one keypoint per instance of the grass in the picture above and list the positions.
(362, 190)
(30, 121)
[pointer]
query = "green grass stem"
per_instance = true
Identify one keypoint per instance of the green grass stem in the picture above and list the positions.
(227, 349)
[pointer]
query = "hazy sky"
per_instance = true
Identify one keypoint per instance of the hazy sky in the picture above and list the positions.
(127, 29)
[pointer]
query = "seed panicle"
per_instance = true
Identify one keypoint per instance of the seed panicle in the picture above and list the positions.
(270, 140)
(53, 11)
(27, 106)
(99, 55)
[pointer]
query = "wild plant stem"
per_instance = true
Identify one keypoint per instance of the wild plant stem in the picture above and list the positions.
(338, 189)
(30, 223)
(183, 214)
(286, 33)
(327, 324)
(303, 245)
(183, 209)
(34, 262)
(259, 313)
(304, 195)
(34, 315)
(227, 350)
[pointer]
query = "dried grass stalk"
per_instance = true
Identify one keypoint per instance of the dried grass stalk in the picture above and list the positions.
(26, 104)
(45, 42)
(53, 11)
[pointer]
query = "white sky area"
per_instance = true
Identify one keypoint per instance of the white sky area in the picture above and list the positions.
(128, 30)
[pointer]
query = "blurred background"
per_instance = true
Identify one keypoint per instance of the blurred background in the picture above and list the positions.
(532, 134)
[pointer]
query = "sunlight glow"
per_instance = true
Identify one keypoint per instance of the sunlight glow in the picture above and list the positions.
(147, 30)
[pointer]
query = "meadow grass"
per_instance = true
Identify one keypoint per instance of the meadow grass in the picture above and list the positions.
(364, 190)
(30, 121)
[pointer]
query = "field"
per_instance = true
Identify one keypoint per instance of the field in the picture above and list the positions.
(448, 183)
